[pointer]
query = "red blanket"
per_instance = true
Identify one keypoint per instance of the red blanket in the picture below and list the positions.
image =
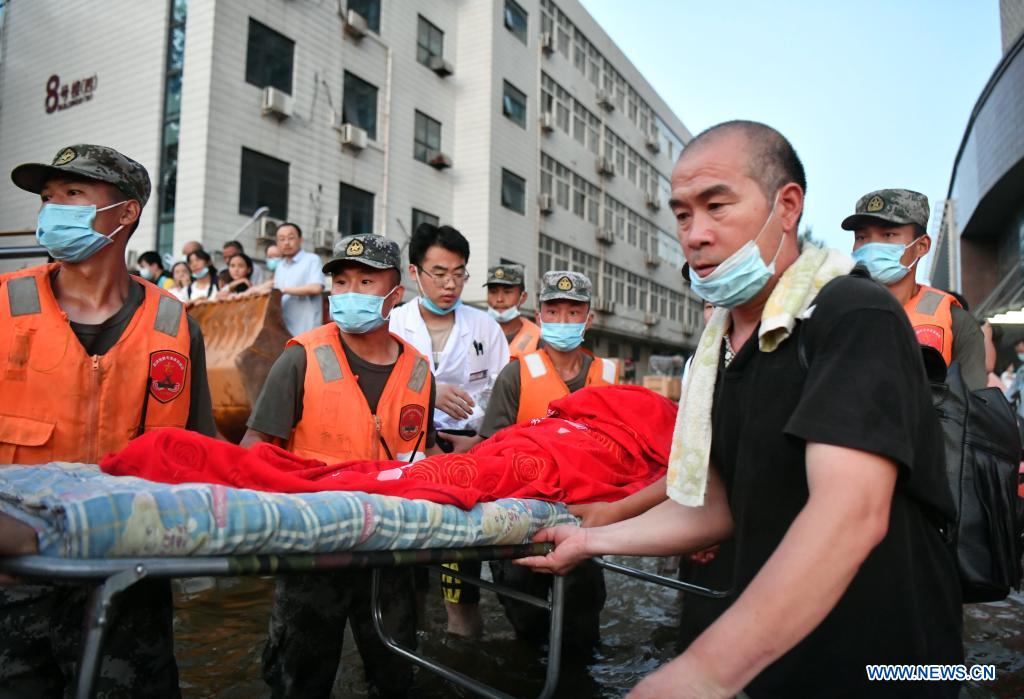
(598, 444)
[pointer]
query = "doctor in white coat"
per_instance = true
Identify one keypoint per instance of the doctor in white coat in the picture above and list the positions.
(467, 350)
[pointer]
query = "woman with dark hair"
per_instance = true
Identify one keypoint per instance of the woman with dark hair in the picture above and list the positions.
(182, 277)
(204, 277)
(240, 276)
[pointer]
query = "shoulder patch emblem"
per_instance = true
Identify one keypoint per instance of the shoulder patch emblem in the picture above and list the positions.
(65, 156)
(410, 419)
(930, 336)
(875, 204)
(354, 249)
(418, 375)
(167, 373)
(565, 284)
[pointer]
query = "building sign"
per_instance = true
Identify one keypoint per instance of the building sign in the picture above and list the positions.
(61, 96)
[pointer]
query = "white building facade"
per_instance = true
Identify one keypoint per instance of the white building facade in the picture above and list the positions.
(519, 122)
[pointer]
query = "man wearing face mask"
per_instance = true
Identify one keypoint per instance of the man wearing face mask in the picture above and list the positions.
(346, 390)
(889, 238)
(806, 433)
(506, 293)
(151, 268)
(90, 356)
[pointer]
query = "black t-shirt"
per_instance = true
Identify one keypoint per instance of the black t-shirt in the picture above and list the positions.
(279, 406)
(99, 338)
(863, 388)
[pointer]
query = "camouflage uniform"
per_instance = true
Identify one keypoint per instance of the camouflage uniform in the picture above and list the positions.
(898, 207)
(41, 626)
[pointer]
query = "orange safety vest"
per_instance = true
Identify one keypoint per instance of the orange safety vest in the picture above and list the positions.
(57, 403)
(931, 315)
(539, 382)
(525, 340)
(336, 423)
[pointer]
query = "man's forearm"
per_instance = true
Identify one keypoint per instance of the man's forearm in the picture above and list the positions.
(304, 290)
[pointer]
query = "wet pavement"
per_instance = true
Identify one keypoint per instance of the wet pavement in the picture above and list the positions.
(220, 628)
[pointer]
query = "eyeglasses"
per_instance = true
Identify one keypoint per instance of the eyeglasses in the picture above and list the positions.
(459, 276)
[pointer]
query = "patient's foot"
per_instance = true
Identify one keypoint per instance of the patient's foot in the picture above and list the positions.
(465, 620)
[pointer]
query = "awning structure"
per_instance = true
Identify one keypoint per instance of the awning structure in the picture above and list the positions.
(1005, 303)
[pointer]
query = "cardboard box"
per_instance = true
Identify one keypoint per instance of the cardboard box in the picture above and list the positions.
(667, 386)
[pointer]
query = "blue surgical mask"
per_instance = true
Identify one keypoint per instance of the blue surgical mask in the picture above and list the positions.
(201, 274)
(741, 276)
(504, 316)
(430, 305)
(146, 274)
(1020, 356)
(273, 262)
(564, 337)
(883, 261)
(358, 313)
(66, 231)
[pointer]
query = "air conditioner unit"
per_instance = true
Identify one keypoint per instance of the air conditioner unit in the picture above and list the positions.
(547, 42)
(352, 136)
(605, 235)
(604, 100)
(266, 231)
(651, 260)
(355, 25)
(653, 141)
(276, 103)
(606, 166)
(439, 161)
(440, 66)
(546, 203)
(602, 305)
(547, 121)
(323, 240)
(652, 199)
(651, 319)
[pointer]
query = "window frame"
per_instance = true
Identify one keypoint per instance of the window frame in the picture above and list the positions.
(357, 82)
(506, 97)
(348, 220)
(251, 166)
(424, 52)
(264, 54)
(425, 144)
(509, 177)
(514, 9)
(420, 216)
(372, 18)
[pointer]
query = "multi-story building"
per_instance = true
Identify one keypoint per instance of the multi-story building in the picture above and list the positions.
(980, 241)
(519, 122)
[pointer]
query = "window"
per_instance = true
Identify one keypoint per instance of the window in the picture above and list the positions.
(268, 58)
(516, 20)
(355, 211)
(513, 105)
(429, 42)
(419, 217)
(427, 139)
(264, 183)
(359, 104)
(370, 10)
(513, 191)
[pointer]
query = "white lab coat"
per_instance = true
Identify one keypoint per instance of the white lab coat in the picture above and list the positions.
(474, 355)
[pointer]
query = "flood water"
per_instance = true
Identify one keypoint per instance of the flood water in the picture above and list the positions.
(221, 624)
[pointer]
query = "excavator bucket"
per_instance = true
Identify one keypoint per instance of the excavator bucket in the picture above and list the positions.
(243, 338)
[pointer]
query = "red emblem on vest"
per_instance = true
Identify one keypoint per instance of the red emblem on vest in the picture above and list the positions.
(409, 421)
(930, 336)
(167, 370)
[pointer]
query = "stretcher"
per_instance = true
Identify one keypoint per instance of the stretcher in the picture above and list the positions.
(72, 523)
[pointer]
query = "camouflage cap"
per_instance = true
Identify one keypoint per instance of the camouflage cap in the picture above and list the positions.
(896, 206)
(509, 274)
(366, 249)
(90, 162)
(571, 286)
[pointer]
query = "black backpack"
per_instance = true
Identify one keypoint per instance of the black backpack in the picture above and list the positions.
(983, 455)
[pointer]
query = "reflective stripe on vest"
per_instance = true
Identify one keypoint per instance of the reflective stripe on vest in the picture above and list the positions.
(931, 316)
(57, 403)
(336, 423)
(539, 383)
(525, 341)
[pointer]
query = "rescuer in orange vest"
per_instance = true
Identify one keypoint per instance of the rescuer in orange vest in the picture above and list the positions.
(90, 357)
(506, 293)
(889, 238)
(521, 393)
(346, 390)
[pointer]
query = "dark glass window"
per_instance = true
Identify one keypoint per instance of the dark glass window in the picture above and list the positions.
(264, 183)
(429, 41)
(513, 104)
(370, 10)
(269, 57)
(359, 104)
(516, 20)
(355, 211)
(427, 139)
(166, 187)
(419, 217)
(513, 191)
